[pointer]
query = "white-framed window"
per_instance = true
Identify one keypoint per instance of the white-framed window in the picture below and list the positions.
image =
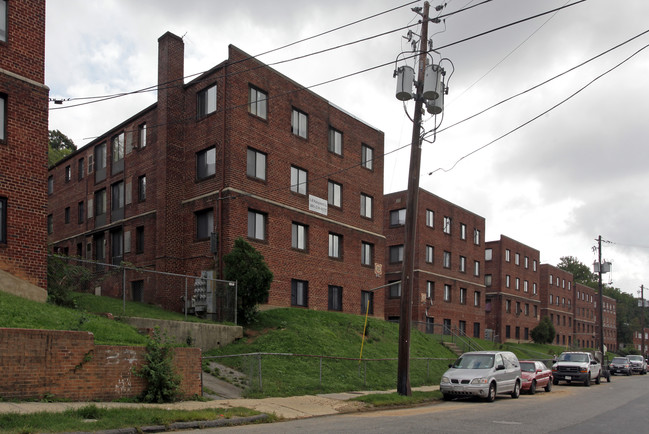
(299, 123)
(334, 194)
(462, 295)
(447, 225)
(258, 102)
(447, 259)
(476, 298)
(3, 20)
(206, 163)
(256, 225)
(50, 184)
(527, 262)
(487, 280)
(462, 264)
(141, 188)
(488, 254)
(206, 101)
(507, 281)
(367, 157)
(68, 173)
(430, 250)
(3, 107)
(335, 246)
(526, 286)
(256, 164)
(534, 265)
(476, 237)
(298, 236)
(518, 284)
(141, 135)
(299, 179)
(204, 224)
(462, 231)
(366, 206)
(398, 217)
(447, 293)
(551, 299)
(396, 254)
(476, 268)
(299, 292)
(335, 141)
(551, 279)
(430, 218)
(517, 259)
(430, 290)
(367, 253)
(507, 255)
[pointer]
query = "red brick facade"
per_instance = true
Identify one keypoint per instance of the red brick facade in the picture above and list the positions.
(68, 365)
(448, 287)
(512, 277)
(23, 143)
(585, 315)
(610, 323)
(220, 166)
(557, 295)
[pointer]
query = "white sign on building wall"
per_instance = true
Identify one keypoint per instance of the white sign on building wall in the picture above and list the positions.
(317, 204)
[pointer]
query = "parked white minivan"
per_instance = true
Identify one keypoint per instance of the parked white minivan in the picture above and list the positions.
(483, 374)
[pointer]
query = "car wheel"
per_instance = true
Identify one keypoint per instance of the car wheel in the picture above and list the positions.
(555, 381)
(549, 386)
(628, 373)
(491, 395)
(517, 390)
(533, 388)
(598, 380)
(608, 378)
(587, 381)
(447, 396)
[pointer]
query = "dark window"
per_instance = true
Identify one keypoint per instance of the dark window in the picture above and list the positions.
(68, 173)
(100, 207)
(206, 101)
(117, 148)
(430, 324)
(335, 297)
(335, 141)
(3, 220)
(137, 290)
(67, 215)
(447, 326)
(398, 217)
(50, 224)
(334, 194)
(367, 253)
(100, 162)
(206, 163)
(256, 225)
(298, 236)
(117, 201)
(50, 184)
(476, 330)
(80, 169)
(367, 157)
(258, 101)
(3, 104)
(395, 290)
(139, 239)
(299, 179)
(204, 224)
(508, 332)
(299, 123)
(142, 136)
(116, 246)
(396, 254)
(299, 292)
(256, 164)
(367, 303)
(141, 188)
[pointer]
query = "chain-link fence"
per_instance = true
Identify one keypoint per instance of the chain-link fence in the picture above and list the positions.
(201, 295)
(263, 373)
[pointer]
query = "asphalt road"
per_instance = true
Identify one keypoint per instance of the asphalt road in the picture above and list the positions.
(619, 406)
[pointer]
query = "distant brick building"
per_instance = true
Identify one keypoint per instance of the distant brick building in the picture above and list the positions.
(512, 279)
(448, 286)
(584, 316)
(610, 323)
(556, 302)
(239, 151)
(23, 141)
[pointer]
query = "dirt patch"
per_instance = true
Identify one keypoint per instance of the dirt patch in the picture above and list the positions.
(252, 335)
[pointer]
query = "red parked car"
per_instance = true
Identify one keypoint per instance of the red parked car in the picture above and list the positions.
(535, 375)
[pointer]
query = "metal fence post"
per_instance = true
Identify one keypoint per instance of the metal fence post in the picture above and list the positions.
(320, 371)
(185, 308)
(260, 379)
(124, 290)
(427, 369)
(365, 373)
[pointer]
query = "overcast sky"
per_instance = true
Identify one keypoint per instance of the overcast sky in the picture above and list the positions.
(555, 184)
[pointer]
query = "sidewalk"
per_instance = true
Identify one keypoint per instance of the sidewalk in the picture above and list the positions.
(293, 407)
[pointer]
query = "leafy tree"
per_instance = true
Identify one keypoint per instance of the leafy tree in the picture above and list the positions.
(247, 266)
(580, 271)
(544, 333)
(60, 146)
(63, 279)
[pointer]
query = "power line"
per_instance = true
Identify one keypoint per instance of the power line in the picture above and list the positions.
(540, 115)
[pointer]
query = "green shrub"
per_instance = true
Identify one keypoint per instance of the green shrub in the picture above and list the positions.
(163, 384)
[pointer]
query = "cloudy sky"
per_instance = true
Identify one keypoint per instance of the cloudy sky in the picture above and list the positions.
(559, 177)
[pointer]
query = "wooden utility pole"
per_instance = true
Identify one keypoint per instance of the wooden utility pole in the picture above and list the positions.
(407, 276)
(601, 299)
(642, 301)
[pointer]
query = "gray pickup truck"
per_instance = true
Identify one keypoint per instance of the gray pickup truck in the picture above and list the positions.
(577, 366)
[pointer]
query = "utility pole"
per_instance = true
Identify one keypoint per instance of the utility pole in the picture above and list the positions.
(642, 329)
(407, 276)
(601, 299)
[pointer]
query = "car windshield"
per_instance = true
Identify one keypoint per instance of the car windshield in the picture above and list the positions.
(567, 357)
(475, 361)
(528, 367)
(635, 358)
(619, 360)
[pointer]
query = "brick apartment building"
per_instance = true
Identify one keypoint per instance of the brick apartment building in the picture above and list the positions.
(448, 287)
(239, 151)
(584, 316)
(637, 340)
(610, 323)
(23, 147)
(512, 279)
(556, 302)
